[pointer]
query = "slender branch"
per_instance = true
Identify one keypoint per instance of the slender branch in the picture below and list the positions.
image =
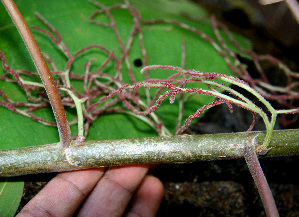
(259, 178)
(155, 150)
(78, 103)
(44, 72)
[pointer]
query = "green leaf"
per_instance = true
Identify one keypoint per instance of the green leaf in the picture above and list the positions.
(10, 196)
(164, 46)
(163, 43)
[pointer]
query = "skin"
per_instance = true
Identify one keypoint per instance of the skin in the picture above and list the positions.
(118, 191)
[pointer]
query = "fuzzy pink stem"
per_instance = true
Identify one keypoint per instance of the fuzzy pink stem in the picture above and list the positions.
(259, 179)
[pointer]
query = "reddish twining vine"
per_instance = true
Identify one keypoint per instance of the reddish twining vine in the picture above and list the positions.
(102, 92)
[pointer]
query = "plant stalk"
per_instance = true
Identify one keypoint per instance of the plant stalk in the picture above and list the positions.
(259, 178)
(43, 70)
(154, 150)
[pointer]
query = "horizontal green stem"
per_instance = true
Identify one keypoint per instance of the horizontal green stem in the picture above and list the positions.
(154, 150)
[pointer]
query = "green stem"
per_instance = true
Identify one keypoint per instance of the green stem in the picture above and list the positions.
(250, 105)
(285, 111)
(270, 130)
(154, 150)
(252, 91)
(78, 103)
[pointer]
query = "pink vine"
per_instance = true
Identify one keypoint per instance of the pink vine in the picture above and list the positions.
(104, 92)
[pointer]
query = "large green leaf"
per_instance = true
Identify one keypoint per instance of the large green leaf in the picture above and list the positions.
(163, 43)
(10, 196)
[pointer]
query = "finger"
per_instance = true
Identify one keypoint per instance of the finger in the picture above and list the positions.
(147, 199)
(114, 191)
(63, 194)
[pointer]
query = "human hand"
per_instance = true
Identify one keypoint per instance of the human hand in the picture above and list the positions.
(117, 191)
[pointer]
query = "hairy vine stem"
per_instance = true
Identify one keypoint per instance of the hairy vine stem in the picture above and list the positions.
(43, 70)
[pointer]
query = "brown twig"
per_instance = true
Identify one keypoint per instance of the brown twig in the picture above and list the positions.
(44, 72)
